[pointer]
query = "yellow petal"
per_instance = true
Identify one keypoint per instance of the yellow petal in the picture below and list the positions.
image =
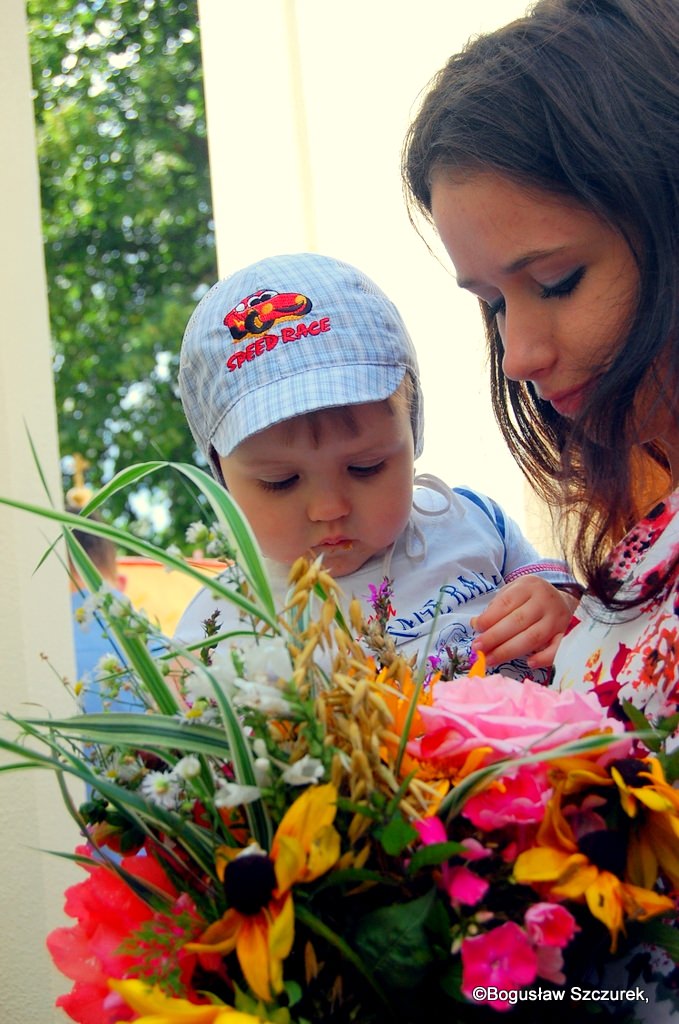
(324, 852)
(651, 798)
(479, 666)
(281, 938)
(663, 836)
(252, 949)
(540, 864)
(314, 809)
(220, 936)
(604, 899)
(146, 1000)
(289, 862)
(640, 904)
(642, 863)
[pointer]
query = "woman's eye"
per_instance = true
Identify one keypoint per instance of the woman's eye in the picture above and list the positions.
(278, 485)
(366, 471)
(563, 288)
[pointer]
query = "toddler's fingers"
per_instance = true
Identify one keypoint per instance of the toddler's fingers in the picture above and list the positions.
(545, 657)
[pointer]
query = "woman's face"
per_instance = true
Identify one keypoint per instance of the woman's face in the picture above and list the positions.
(561, 283)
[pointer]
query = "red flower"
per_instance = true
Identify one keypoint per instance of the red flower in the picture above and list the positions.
(107, 911)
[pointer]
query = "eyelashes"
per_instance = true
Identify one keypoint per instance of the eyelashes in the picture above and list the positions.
(561, 290)
(565, 287)
(359, 472)
(278, 485)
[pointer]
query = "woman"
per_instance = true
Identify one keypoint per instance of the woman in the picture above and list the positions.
(546, 155)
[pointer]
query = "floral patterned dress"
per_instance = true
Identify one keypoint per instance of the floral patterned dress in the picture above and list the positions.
(632, 655)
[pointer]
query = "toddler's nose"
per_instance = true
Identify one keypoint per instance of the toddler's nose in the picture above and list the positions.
(328, 504)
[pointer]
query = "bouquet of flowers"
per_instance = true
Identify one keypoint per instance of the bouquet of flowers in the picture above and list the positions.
(304, 826)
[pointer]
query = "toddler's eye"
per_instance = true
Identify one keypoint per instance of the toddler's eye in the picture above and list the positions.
(366, 471)
(278, 485)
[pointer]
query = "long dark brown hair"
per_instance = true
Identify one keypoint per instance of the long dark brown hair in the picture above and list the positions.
(579, 99)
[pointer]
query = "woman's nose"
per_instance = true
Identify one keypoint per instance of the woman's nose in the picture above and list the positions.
(526, 338)
(328, 503)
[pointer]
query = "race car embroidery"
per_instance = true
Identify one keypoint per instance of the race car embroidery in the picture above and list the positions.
(257, 313)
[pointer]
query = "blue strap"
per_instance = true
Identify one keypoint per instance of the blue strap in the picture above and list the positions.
(494, 513)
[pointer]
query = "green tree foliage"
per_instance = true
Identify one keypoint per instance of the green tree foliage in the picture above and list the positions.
(127, 223)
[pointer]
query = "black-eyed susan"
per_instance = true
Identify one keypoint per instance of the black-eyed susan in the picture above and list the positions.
(588, 869)
(259, 923)
(653, 805)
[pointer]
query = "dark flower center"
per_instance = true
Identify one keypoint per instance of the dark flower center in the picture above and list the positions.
(249, 882)
(630, 769)
(605, 850)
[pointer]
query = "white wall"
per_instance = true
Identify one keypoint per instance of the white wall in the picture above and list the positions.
(308, 103)
(34, 607)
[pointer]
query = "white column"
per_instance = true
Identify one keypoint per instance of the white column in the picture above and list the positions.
(34, 608)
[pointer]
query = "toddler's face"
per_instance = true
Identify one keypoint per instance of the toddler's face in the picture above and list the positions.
(342, 489)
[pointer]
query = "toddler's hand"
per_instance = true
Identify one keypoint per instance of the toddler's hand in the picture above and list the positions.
(526, 619)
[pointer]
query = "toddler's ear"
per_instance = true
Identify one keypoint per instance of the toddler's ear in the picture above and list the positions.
(121, 581)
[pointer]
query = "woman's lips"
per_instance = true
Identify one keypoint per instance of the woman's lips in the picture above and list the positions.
(567, 403)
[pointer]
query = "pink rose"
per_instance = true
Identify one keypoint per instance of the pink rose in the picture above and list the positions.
(519, 799)
(506, 716)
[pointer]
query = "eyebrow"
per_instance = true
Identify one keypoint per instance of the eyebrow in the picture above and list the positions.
(518, 264)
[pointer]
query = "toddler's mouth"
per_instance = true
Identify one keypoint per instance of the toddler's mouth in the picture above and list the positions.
(343, 543)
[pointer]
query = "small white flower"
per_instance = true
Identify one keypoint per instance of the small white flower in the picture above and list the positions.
(197, 686)
(308, 769)
(259, 747)
(175, 552)
(268, 659)
(91, 605)
(201, 713)
(261, 697)
(187, 768)
(262, 768)
(197, 534)
(231, 794)
(108, 665)
(161, 788)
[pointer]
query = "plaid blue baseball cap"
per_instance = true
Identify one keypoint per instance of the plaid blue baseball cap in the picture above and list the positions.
(285, 336)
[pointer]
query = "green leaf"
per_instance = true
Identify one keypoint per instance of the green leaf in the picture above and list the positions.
(394, 942)
(396, 835)
(434, 853)
(664, 935)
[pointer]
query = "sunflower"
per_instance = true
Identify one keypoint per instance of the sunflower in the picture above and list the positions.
(590, 869)
(653, 805)
(260, 920)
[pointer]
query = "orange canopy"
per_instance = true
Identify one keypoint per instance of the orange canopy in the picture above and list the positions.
(161, 593)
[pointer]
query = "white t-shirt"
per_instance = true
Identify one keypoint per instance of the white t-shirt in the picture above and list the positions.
(458, 549)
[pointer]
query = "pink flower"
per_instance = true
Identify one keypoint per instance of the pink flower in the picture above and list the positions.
(550, 963)
(516, 799)
(505, 717)
(549, 924)
(503, 958)
(461, 884)
(431, 830)
(107, 911)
